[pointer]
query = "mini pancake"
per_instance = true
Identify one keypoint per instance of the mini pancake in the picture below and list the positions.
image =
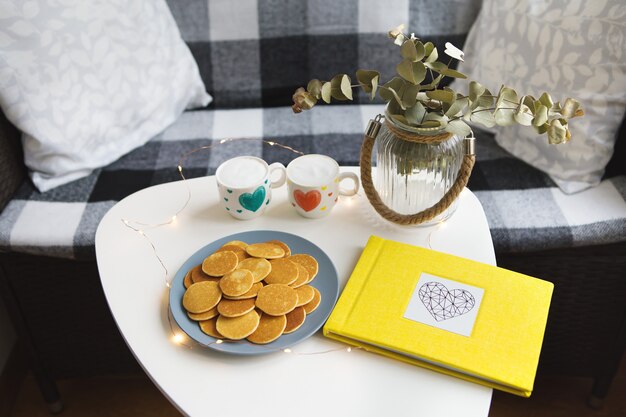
(197, 275)
(220, 263)
(265, 250)
(202, 297)
(306, 293)
(240, 252)
(209, 327)
(283, 272)
(282, 245)
(239, 243)
(303, 277)
(314, 303)
(259, 267)
(237, 328)
(276, 299)
(270, 328)
(236, 283)
(250, 294)
(187, 282)
(204, 316)
(295, 319)
(235, 308)
(308, 262)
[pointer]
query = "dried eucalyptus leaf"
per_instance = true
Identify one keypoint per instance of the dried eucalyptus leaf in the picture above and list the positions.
(475, 91)
(504, 117)
(419, 49)
(314, 87)
(415, 114)
(326, 87)
(556, 132)
(409, 95)
(408, 50)
(419, 71)
(507, 97)
(442, 120)
(541, 115)
(433, 55)
(366, 77)
(448, 72)
(405, 70)
(437, 66)
(396, 84)
(340, 87)
(570, 107)
(529, 101)
(458, 127)
(442, 95)
(483, 116)
(457, 107)
(428, 48)
(433, 84)
(346, 86)
(374, 88)
(523, 115)
(546, 100)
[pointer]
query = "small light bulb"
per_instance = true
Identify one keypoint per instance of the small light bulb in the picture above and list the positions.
(287, 350)
(177, 338)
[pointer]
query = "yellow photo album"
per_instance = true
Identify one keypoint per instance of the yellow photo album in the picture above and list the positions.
(453, 315)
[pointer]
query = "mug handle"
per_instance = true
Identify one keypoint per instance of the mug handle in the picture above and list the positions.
(353, 177)
(283, 174)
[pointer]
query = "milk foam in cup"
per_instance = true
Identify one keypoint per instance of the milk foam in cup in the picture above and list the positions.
(245, 187)
(313, 184)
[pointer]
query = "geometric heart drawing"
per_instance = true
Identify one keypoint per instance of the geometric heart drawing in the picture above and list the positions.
(443, 304)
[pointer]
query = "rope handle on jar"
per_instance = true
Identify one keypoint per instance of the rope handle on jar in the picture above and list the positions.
(425, 215)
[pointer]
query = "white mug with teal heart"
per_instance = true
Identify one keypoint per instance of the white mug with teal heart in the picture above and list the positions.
(245, 186)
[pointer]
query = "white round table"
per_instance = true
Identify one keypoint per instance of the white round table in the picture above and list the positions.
(201, 382)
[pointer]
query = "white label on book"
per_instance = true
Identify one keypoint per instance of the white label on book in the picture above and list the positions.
(444, 304)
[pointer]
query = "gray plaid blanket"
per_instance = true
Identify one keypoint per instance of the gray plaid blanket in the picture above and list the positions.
(524, 208)
(254, 54)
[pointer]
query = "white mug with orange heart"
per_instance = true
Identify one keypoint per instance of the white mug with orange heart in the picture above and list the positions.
(313, 185)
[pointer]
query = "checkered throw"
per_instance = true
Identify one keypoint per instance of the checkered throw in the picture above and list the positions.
(524, 208)
(255, 53)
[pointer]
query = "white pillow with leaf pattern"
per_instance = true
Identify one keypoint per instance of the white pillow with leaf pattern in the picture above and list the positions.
(87, 81)
(572, 48)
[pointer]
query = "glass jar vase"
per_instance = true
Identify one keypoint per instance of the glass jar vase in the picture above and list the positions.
(413, 176)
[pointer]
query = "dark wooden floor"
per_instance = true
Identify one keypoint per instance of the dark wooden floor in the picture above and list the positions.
(136, 396)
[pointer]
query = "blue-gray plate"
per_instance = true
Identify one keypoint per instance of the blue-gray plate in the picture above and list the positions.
(325, 281)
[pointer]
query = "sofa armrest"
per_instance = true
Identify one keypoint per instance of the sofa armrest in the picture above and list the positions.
(12, 169)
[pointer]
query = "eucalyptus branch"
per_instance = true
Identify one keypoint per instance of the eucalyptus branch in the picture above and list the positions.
(410, 98)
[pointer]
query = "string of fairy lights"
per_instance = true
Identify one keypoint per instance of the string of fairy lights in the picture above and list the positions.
(177, 336)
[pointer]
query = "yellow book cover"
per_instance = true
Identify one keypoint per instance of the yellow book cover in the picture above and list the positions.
(464, 318)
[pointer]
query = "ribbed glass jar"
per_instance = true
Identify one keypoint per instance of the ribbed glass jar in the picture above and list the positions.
(411, 176)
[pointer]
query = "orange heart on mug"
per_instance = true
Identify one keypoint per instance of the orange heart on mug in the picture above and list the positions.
(308, 201)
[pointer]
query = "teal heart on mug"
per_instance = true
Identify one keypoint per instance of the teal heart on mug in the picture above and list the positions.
(253, 201)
